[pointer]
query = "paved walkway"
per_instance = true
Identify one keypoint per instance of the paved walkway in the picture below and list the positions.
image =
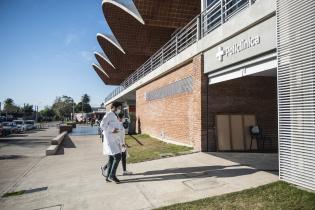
(20, 152)
(72, 180)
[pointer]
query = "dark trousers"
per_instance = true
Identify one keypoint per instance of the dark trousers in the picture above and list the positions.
(123, 160)
(112, 165)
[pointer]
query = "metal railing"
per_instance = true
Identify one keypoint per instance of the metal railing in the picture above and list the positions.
(216, 14)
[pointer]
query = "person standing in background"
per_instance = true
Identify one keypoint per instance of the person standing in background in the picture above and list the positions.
(123, 144)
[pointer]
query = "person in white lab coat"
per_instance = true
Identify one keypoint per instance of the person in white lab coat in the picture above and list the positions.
(111, 143)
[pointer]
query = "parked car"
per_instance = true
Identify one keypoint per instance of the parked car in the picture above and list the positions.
(1, 130)
(15, 128)
(2, 119)
(21, 125)
(30, 124)
(8, 128)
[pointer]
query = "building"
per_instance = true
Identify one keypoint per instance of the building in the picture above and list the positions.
(98, 113)
(203, 73)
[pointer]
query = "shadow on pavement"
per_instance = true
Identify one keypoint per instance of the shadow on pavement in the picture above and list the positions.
(11, 157)
(193, 172)
(137, 140)
(186, 170)
(36, 130)
(22, 192)
(15, 135)
(6, 142)
(260, 161)
(35, 190)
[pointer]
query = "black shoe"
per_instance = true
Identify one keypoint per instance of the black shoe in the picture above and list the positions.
(115, 179)
(103, 172)
(107, 180)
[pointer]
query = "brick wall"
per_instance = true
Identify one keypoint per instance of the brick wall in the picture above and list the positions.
(176, 118)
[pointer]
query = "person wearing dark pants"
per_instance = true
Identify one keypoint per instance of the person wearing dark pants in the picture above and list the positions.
(123, 144)
(111, 143)
(124, 161)
(113, 161)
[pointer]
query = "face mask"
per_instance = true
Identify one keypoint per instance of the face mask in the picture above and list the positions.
(118, 111)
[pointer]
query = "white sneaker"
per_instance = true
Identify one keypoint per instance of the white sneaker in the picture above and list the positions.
(127, 173)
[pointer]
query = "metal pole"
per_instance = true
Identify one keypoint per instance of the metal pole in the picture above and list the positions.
(222, 12)
(199, 27)
(207, 112)
(24, 111)
(36, 110)
(176, 43)
(72, 110)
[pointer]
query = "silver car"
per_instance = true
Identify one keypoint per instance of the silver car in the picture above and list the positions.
(9, 127)
(30, 124)
(21, 125)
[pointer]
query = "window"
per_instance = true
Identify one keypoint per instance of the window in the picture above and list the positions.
(181, 86)
(210, 2)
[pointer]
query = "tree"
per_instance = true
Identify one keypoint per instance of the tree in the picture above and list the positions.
(86, 108)
(10, 107)
(63, 107)
(85, 99)
(84, 105)
(8, 102)
(47, 113)
(28, 109)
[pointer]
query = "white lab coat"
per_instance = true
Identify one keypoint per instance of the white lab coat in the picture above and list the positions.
(111, 143)
(121, 133)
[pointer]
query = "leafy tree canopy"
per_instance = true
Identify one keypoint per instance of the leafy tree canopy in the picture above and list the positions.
(85, 99)
(63, 106)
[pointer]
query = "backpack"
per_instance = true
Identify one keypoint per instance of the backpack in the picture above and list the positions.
(125, 124)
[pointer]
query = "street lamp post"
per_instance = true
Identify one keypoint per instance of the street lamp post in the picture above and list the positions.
(24, 111)
(72, 110)
(82, 112)
(36, 111)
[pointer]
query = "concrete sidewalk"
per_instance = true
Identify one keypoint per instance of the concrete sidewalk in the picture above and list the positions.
(72, 180)
(19, 153)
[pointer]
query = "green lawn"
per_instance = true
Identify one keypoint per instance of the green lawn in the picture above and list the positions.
(142, 147)
(277, 195)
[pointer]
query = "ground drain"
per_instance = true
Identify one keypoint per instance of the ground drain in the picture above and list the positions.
(203, 184)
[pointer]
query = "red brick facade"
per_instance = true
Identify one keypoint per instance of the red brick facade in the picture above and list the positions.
(176, 118)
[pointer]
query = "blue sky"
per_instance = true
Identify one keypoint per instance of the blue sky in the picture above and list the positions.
(46, 50)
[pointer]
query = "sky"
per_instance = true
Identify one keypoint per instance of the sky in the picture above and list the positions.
(46, 50)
